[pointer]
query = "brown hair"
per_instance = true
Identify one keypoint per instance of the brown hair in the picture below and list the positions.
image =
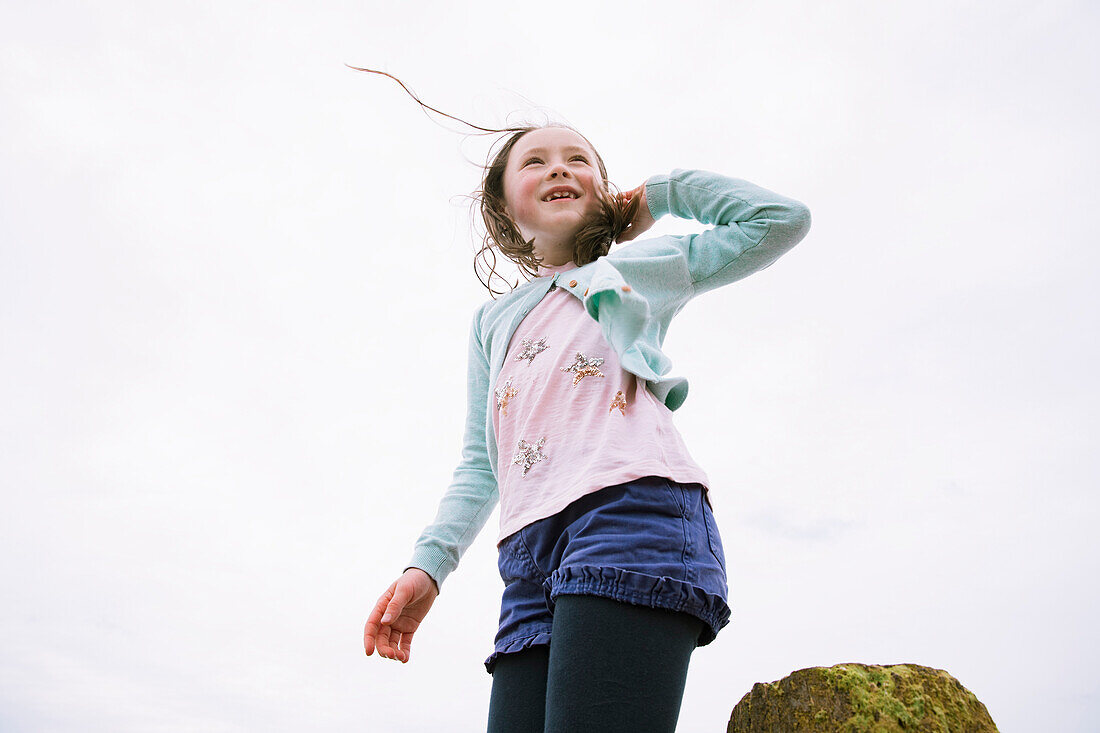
(593, 241)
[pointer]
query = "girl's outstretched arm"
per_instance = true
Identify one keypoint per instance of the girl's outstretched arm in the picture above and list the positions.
(462, 513)
(469, 500)
(398, 614)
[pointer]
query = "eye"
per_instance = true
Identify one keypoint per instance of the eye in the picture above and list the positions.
(580, 157)
(532, 160)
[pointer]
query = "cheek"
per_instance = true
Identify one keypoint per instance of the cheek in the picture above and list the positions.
(523, 210)
(593, 189)
(593, 181)
(521, 199)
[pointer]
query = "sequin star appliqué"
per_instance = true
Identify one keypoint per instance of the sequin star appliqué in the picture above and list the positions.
(531, 349)
(528, 454)
(620, 402)
(504, 393)
(584, 366)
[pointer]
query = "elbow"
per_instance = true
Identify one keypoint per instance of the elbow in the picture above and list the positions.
(800, 221)
(795, 223)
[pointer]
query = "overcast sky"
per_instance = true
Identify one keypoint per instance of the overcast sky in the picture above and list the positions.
(236, 282)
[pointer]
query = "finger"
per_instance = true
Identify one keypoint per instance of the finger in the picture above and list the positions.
(406, 647)
(398, 648)
(385, 643)
(368, 640)
(402, 594)
(395, 646)
(379, 609)
(374, 620)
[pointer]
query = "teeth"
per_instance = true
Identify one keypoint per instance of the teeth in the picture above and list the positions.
(559, 195)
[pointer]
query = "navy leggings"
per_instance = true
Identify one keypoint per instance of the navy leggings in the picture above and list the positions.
(611, 666)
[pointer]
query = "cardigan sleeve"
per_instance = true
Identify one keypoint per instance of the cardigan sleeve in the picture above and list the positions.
(472, 495)
(753, 226)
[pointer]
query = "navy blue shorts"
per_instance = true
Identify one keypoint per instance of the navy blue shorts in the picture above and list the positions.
(651, 542)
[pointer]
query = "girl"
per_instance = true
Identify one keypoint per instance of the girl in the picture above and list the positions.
(612, 563)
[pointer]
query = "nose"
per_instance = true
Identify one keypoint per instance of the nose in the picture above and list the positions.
(559, 169)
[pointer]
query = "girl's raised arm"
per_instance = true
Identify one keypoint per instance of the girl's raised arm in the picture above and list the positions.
(753, 226)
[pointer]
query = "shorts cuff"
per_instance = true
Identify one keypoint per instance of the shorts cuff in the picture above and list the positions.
(640, 589)
(516, 644)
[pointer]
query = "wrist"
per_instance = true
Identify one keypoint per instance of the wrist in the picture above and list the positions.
(655, 195)
(425, 573)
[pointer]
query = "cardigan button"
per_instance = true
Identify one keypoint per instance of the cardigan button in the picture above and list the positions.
(572, 283)
(626, 288)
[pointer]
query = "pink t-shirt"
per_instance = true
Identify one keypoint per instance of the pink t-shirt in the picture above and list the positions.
(570, 420)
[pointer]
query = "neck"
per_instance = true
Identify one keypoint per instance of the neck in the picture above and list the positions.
(546, 268)
(555, 256)
(555, 262)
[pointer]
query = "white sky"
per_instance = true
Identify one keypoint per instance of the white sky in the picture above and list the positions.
(236, 283)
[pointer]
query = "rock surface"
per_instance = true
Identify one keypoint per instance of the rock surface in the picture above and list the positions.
(859, 698)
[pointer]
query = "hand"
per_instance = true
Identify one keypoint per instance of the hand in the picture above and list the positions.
(642, 220)
(398, 614)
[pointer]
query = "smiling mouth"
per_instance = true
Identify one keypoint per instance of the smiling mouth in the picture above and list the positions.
(568, 196)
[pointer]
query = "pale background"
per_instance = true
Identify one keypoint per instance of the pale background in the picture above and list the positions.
(236, 283)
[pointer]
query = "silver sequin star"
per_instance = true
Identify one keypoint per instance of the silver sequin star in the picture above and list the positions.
(528, 455)
(583, 366)
(531, 349)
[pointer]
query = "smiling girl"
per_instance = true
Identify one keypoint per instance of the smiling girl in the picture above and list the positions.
(612, 563)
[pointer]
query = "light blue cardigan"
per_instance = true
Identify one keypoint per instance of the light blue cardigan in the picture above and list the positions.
(633, 292)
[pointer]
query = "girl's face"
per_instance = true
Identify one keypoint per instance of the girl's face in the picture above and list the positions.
(544, 162)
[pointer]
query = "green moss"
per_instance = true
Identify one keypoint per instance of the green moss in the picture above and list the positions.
(873, 695)
(858, 698)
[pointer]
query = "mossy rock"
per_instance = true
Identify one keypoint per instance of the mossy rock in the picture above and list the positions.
(861, 698)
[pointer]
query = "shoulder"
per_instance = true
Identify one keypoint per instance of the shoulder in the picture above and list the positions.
(492, 311)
